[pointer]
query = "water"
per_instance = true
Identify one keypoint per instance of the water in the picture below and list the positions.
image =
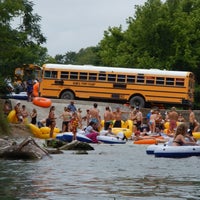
(111, 172)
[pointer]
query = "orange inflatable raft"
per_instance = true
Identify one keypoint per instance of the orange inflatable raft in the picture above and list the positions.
(147, 140)
(42, 102)
(36, 89)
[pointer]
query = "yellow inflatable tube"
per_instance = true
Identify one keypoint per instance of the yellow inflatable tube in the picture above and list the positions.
(43, 132)
(12, 117)
(127, 132)
(196, 135)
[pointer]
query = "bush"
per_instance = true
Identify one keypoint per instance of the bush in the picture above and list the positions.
(4, 125)
(196, 98)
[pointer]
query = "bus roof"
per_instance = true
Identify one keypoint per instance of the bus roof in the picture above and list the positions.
(116, 69)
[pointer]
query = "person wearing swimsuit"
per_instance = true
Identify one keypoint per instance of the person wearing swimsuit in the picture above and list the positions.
(180, 135)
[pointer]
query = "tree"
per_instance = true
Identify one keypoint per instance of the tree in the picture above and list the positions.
(160, 35)
(19, 44)
(85, 56)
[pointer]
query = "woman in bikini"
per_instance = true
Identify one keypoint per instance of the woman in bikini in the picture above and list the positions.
(180, 135)
(52, 120)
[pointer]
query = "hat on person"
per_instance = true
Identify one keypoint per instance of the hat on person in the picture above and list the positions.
(35, 81)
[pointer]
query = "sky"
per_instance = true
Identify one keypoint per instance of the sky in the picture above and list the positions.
(70, 25)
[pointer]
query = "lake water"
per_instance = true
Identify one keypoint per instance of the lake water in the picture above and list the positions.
(110, 172)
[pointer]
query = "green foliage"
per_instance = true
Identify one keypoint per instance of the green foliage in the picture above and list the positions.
(83, 57)
(160, 35)
(197, 97)
(4, 125)
(19, 44)
(4, 89)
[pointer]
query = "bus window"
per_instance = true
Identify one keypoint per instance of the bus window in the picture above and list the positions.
(83, 76)
(179, 82)
(169, 81)
(50, 74)
(121, 78)
(47, 74)
(64, 75)
(140, 79)
(74, 75)
(150, 80)
(130, 79)
(102, 77)
(54, 74)
(160, 81)
(111, 77)
(92, 76)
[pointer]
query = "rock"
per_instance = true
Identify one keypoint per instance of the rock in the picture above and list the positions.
(54, 143)
(26, 150)
(76, 145)
(81, 152)
(54, 151)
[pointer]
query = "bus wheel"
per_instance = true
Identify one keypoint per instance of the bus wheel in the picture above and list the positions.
(137, 101)
(67, 95)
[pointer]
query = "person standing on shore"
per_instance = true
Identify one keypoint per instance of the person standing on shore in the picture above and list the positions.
(95, 114)
(117, 116)
(173, 118)
(18, 112)
(194, 124)
(52, 120)
(33, 116)
(108, 117)
(73, 125)
(72, 107)
(25, 114)
(66, 116)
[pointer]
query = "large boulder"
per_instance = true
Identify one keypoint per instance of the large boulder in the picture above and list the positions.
(28, 149)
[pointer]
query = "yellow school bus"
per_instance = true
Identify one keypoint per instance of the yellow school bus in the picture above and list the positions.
(136, 86)
(28, 71)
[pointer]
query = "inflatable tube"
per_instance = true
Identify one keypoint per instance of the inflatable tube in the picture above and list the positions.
(12, 117)
(110, 140)
(125, 131)
(42, 102)
(46, 130)
(36, 89)
(151, 148)
(128, 124)
(20, 96)
(68, 136)
(42, 133)
(177, 151)
(47, 136)
(35, 130)
(196, 135)
(145, 141)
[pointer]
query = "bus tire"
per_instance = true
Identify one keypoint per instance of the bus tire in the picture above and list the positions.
(137, 101)
(67, 95)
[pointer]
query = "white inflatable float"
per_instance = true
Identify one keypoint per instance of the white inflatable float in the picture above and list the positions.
(110, 139)
(176, 151)
(68, 136)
